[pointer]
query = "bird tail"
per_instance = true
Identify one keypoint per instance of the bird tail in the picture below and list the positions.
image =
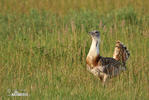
(121, 52)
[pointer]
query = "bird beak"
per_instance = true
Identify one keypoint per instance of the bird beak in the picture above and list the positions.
(91, 33)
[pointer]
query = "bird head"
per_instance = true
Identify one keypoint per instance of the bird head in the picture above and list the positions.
(95, 35)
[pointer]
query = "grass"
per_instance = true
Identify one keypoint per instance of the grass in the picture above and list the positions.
(44, 54)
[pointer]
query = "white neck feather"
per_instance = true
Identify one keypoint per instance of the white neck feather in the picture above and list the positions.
(94, 49)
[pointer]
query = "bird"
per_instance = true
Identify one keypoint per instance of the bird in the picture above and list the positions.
(106, 67)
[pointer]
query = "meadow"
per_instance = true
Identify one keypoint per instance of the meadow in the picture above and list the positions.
(44, 44)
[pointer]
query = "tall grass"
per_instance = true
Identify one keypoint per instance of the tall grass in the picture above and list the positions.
(44, 54)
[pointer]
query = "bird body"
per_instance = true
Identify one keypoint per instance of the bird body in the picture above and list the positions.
(105, 67)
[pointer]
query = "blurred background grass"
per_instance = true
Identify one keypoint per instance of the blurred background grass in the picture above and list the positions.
(63, 6)
(44, 45)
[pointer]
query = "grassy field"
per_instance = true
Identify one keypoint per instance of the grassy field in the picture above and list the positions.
(44, 44)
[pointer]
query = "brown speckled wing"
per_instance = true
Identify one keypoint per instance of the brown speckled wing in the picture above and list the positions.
(109, 65)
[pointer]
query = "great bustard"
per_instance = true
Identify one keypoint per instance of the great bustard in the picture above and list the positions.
(106, 67)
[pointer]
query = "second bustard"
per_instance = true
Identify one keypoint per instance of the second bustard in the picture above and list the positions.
(106, 67)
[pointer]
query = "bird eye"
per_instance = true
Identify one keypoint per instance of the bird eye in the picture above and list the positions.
(97, 34)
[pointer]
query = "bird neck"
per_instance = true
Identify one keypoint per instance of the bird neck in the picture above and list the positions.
(94, 49)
